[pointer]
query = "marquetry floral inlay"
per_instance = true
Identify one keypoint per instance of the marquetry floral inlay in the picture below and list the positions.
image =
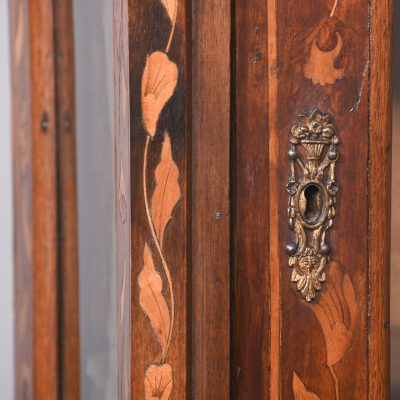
(158, 382)
(300, 391)
(330, 48)
(159, 80)
(320, 67)
(158, 84)
(152, 300)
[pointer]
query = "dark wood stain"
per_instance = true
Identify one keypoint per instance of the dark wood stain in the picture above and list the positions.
(380, 140)
(229, 136)
(211, 28)
(149, 28)
(251, 217)
(68, 311)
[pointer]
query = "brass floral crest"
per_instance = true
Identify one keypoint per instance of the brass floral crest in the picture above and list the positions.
(312, 192)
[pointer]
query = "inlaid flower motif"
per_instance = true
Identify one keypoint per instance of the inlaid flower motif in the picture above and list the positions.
(158, 382)
(159, 80)
(300, 391)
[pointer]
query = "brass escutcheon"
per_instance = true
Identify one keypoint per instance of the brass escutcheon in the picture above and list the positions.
(312, 192)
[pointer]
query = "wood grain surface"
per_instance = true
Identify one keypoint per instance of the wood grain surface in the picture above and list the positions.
(158, 70)
(68, 304)
(379, 198)
(323, 57)
(205, 97)
(22, 170)
(211, 30)
(347, 102)
(252, 283)
(322, 359)
(45, 272)
(47, 349)
(122, 195)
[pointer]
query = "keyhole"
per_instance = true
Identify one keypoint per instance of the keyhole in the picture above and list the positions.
(311, 204)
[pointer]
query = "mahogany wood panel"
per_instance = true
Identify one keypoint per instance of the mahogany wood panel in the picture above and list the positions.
(159, 194)
(341, 348)
(211, 32)
(329, 361)
(379, 198)
(66, 202)
(47, 350)
(251, 203)
(122, 195)
(44, 200)
(22, 170)
(322, 56)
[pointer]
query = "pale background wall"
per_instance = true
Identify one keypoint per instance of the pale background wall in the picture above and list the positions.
(6, 251)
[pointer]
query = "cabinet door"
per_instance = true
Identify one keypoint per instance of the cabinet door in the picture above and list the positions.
(230, 208)
(312, 199)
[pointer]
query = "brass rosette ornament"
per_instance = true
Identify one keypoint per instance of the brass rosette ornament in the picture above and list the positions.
(312, 190)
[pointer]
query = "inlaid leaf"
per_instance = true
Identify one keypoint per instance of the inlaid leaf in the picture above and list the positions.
(167, 192)
(151, 298)
(337, 314)
(300, 391)
(159, 80)
(170, 6)
(158, 382)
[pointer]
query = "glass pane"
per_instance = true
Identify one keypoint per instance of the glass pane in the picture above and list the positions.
(94, 107)
(6, 216)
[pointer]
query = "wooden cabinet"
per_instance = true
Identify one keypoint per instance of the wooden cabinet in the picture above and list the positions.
(252, 155)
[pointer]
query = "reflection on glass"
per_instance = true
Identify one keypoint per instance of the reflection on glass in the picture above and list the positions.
(6, 215)
(94, 107)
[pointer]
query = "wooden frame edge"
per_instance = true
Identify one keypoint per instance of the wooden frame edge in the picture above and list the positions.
(122, 143)
(379, 197)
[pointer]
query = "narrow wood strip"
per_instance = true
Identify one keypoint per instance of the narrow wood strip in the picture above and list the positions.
(273, 166)
(159, 103)
(122, 195)
(211, 28)
(252, 331)
(22, 170)
(379, 197)
(67, 201)
(44, 200)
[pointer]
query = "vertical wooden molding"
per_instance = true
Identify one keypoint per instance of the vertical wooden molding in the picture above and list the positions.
(211, 31)
(379, 197)
(67, 201)
(47, 350)
(122, 195)
(22, 170)
(273, 167)
(159, 175)
(252, 321)
(44, 200)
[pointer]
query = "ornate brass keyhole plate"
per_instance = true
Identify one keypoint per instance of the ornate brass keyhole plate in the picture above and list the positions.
(312, 192)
